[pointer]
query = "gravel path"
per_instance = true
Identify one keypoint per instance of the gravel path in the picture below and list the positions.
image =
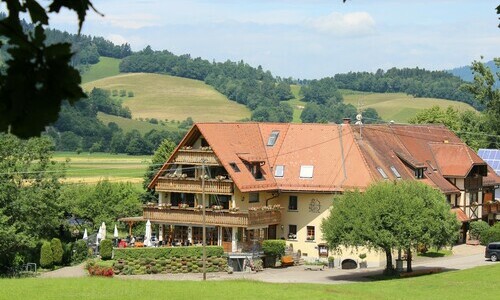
(66, 272)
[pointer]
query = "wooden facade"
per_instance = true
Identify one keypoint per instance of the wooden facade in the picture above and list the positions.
(196, 157)
(191, 216)
(193, 185)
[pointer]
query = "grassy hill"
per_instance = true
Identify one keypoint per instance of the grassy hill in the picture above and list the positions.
(399, 107)
(130, 124)
(173, 98)
(106, 67)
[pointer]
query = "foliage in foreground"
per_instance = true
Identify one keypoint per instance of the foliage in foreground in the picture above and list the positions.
(274, 247)
(439, 286)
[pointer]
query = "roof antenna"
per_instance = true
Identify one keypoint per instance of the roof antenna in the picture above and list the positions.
(359, 117)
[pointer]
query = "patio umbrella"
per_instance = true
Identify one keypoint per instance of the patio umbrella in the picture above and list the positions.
(98, 237)
(147, 237)
(85, 235)
(115, 233)
(103, 231)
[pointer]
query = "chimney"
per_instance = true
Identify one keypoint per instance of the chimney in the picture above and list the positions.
(346, 120)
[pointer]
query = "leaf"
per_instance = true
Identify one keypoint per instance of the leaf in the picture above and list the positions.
(37, 12)
(80, 7)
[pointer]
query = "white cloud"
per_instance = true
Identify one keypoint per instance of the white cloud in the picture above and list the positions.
(117, 39)
(132, 21)
(350, 24)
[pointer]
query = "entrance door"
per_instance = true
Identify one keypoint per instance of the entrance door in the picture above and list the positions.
(271, 232)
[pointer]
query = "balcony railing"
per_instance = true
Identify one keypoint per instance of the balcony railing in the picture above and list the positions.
(196, 157)
(191, 216)
(193, 185)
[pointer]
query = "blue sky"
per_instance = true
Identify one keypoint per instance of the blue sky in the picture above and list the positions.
(304, 39)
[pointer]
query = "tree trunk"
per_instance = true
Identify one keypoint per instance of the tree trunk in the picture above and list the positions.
(408, 261)
(389, 267)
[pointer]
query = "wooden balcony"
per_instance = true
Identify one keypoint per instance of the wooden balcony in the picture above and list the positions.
(190, 216)
(193, 185)
(196, 157)
(491, 207)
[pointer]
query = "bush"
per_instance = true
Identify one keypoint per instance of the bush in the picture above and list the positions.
(161, 253)
(80, 251)
(274, 248)
(68, 252)
(57, 251)
(106, 250)
(492, 235)
(478, 229)
(46, 259)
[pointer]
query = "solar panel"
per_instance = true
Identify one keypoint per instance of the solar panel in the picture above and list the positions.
(491, 157)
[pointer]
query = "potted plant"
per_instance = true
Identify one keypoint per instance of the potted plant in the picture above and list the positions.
(362, 263)
(331, 261)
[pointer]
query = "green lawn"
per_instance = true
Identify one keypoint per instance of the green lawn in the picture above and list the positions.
(477, 283)
(130, 124)
(106, 67)
(297, 105)
(90, 168)
(173, 98)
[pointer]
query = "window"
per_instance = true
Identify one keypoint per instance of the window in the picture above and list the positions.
(379, 169)
(292, 203)
(419, 173)
(280, 171)
(272, 138)
(306, 171)
(292, 232)
(255, 170)
(254, 197)
(310, 233)
(234, 166)
(395, 172)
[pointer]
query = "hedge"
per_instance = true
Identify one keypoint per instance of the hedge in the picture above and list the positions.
(274, 248)
(81, 252)
(133, 261)
(106, 250)
(57, 251)
(491, 235)
(164, 252)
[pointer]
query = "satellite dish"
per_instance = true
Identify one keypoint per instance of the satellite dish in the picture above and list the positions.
(359, 117)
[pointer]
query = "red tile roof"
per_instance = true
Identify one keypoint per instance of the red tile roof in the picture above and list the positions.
(461, 216)
(343, 157)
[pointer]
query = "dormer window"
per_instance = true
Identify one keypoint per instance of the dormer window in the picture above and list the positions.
(255, 170)
(306, 171)
(419, 173)
(273, 137)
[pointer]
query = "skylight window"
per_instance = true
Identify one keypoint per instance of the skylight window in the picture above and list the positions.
(234, 166)
(395, 171)
(379, 169)
(306, 171)
(279, 171)
(273, 138)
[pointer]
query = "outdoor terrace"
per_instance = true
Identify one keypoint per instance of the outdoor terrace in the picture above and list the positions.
(192, 216)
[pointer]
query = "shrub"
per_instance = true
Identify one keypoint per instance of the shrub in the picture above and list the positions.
(57, 251)
(106, 250)
(46, 258)
(131, 94)
(80, 251)
(492, 235)
(478, 229)
(274, 248)
(68, 252)
(362, 256)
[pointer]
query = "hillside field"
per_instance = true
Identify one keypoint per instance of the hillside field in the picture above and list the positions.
(106, 67)
(91, 168)
(173, 98)
(399, 107)
(130, 124)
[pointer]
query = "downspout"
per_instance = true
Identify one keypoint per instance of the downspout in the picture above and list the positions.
(274, 196)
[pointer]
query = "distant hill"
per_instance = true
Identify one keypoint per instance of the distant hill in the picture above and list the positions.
(173, 98)
(106, 67)
(465, 72)
(398, 107)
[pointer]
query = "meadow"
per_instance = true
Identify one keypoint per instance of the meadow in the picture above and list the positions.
(92, 167)
(173, 98)
(130, 124)
(106, 67)
(478, 283)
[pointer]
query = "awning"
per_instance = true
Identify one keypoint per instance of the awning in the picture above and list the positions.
(460, 214)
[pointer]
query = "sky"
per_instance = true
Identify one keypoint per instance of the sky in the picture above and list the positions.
(304, 39)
